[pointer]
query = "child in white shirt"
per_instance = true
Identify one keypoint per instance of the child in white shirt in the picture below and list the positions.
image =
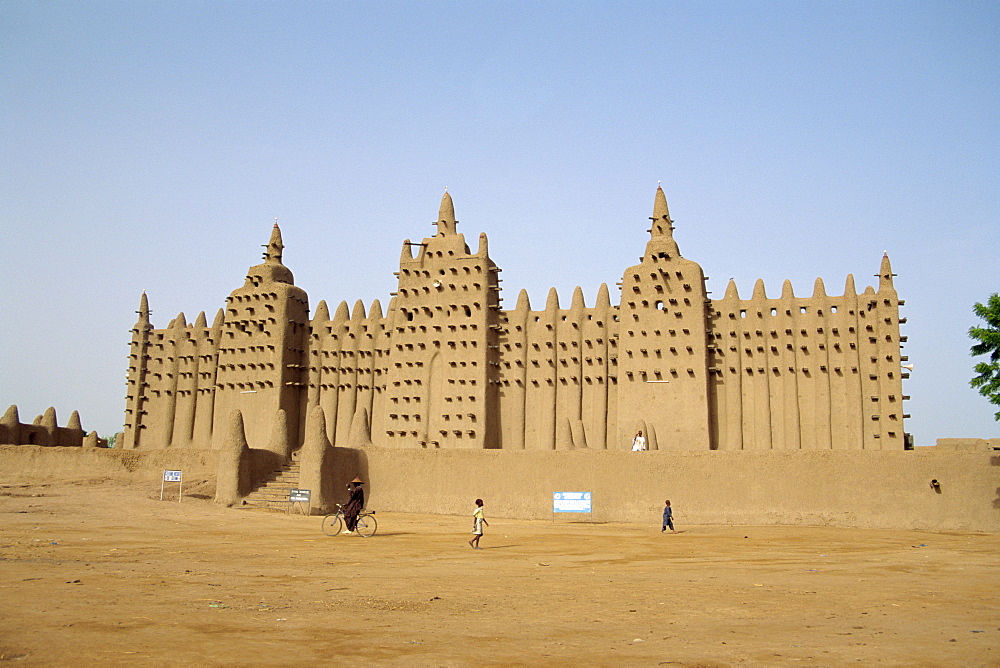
(478, 520)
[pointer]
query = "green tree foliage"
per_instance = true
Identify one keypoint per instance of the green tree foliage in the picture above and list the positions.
(988, 380)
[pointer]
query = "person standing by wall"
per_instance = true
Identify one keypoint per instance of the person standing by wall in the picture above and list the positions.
(639, 442)
(478, 520)
(668, 517)
(354, 505)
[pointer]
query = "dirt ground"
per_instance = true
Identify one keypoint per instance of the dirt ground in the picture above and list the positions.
(101, 573)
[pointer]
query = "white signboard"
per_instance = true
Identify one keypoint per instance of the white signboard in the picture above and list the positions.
(172, 476)
(571, 502)
(298, 497)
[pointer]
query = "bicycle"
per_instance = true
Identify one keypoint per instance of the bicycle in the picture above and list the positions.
(366, 527)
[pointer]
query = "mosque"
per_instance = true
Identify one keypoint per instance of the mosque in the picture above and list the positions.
(758, 410)
(445, 367)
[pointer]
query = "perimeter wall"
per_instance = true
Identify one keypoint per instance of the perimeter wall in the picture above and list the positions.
(861, 489)
(32, 463)
(850, 489)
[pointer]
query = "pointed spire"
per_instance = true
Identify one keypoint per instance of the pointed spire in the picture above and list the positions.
(180, 322)
(316, 441)
(359, 435)
(11, 417)
(236, 432)
(375, 312)
(74, 421)
(661, 232)
(552, 303)
(341, 315)
(759, 292)
(49, 419)
(359, 311)
(731, 291)
(819, 290)
(271, 270)
(603, 297)
(885, 272)
(522, 301)
(406, 254)
(786, 290)
(11, 424)
(867, 299)
(662, 224)
(220, 319)
(577, 303)
(272, 252)
(484, 246)
(201, 322)
(849, 288)
(322, 312)
(143, 310)
(446, 215)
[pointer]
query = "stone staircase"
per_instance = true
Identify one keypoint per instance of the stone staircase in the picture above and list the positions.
(273, 493)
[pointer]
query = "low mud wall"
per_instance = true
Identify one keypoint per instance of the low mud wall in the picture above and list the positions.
(828, 488)
(32, 462)
(890, 490)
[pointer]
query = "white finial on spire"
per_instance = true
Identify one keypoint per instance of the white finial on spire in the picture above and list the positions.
(446, 188)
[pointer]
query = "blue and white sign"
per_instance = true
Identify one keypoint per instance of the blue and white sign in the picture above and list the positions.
(172, 476)
(571, 502)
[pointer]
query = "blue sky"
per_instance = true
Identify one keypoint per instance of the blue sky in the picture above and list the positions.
(150, 145)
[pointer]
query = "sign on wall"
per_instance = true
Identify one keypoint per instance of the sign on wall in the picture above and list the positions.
(571, 502)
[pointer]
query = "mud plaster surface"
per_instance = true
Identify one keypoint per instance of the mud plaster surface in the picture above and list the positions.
(94, 571)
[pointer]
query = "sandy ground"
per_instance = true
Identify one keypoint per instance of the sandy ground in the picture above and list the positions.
(98, 573)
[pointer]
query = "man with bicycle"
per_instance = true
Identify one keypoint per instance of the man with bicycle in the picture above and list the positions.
(355, 505)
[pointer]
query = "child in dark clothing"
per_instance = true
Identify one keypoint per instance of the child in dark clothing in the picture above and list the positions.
(668, 517)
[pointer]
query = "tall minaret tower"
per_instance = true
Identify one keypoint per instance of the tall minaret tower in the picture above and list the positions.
(662, 347)
(262, 352)
(884, 426)
(135, 397)
(441, 379)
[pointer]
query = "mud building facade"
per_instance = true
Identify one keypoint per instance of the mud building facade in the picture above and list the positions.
(445, 366)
